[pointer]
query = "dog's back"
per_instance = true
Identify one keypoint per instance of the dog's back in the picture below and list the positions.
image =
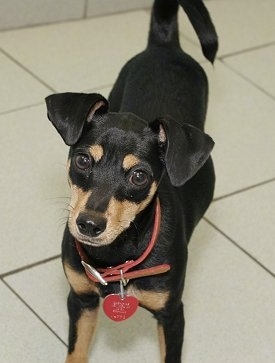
(164, 80)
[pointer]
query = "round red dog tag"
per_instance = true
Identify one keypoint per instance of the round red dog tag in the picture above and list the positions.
(118, 308)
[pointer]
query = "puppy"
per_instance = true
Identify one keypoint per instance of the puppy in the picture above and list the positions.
(141, 179)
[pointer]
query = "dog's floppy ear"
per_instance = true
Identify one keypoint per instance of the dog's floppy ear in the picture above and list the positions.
(70, 111)
(186, 148)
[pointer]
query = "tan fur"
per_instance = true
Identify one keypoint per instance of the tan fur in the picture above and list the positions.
(150, 299)
(130, 161)
(146, 201)
(79, 281)
(68, 169)
(155, 301)
(97, 152)
(93, 110)
(120, 214)
(162, 344)
(162, 135)
(87, 322)
(78, 203)
(85, 331)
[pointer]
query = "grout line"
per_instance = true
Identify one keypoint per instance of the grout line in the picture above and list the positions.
(232, 54)
(85, 12)
(72, 20)
(240, 248)
(247, 50)
(247, 79)
(244, 190)
(90, 90)
(35, 264)
(27, 70)
(42, 24)
(34, 312)
(21, 108)
(119, 12)
(96, 89)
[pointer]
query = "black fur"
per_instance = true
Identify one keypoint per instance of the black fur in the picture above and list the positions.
(157, 111)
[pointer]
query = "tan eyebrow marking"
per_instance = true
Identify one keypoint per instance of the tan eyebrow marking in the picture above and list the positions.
(97, 152)
(129, 161)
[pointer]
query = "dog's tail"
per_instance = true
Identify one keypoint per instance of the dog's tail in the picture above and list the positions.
(164, 25)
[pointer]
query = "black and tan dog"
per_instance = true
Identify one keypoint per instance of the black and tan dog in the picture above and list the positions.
(141, 179)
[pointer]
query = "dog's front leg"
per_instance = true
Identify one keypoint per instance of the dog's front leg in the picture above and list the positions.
(171, 330)
(82, 310)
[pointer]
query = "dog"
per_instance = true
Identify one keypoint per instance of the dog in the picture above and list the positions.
(141, 177)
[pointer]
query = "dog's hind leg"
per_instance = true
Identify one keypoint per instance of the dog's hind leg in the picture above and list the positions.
(83, 317)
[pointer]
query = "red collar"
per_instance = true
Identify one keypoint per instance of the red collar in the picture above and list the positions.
(121, 272)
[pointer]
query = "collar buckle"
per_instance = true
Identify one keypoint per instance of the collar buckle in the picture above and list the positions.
(92, 271)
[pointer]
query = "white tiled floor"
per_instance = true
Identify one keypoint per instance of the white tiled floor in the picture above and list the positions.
(230, 290)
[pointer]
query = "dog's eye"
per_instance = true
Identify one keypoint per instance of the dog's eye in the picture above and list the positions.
(139, 178)
(83, 161)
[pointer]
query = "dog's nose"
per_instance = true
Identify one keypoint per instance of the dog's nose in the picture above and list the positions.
(89, 225)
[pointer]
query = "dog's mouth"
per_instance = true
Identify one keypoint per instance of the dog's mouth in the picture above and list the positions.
(94, 242)
(102, 239)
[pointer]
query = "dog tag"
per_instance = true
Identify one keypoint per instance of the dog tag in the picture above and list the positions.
(118, 308)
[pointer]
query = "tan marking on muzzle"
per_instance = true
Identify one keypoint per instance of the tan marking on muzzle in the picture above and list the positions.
(68, 165)
(79, 199)
(120, 214)
(78, 203)
(97, 152)
(130, 161)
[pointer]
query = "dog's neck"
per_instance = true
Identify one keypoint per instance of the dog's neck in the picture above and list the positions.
(127, 246)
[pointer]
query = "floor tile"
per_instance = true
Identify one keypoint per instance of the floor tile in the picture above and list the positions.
(99, 7)
(82, 56)
(240, 24)
(103, 91)
(39, 285)
(30, 12)
(89, 60)
(17, 87)
(241, 123)
(248, 218)
(24, 337)
(228, 302)
(253, 65)
(33, 188)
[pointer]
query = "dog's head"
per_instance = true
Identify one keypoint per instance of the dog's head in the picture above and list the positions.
(116, 162)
